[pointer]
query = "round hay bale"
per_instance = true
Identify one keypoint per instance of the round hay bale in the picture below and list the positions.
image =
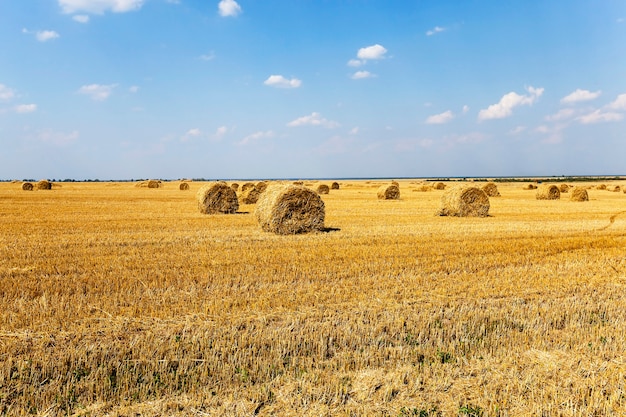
(389, 192)
(250, 196)
(27, 186)
(234, 186)
(564, 188)
(601, 186)
(323, 189)
(579, 194)
(548, 192)
(530, 186)
(290, 209)
(247, 185)
(44, 185)
(491, 189)
(615, 188)
(216, 198)
(334, 186)
(298, 183)
(183, 186)
(154, 184)
(439, 186)
(464, 201)
(261, 186)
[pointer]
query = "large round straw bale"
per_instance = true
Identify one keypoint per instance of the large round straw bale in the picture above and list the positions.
(601, 186)
(389, 192)
(464, 201)
(548, 192)
(154, 184)
(250, 196)
(334, 186)
(579, 194)
(217, 197)
(234, 186)
(530, 186)
(323, 189)
(27, 186)
(439, 186)
(183, 186)
(491, 189)
(290, 209)
(261, 186)
(44, 185)
(247, 185)
(564, 188)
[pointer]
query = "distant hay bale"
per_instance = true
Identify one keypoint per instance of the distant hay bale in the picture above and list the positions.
(548, 192)
(234, 186)
(217, 198)
(564, 188)
(601, 187)
(250, 196)
(290, 209)
(44, 185)
(323, 189)
(247, 185)
(579, 194)
(154, 184)
(298, 183)
(261, 186)
(439, 186)
(334, 186)
(424, 188)
(530, 186)
(491, 189)
(183, 186)
(615, 188)
(388, 192)
(27, 186)
(464, 201)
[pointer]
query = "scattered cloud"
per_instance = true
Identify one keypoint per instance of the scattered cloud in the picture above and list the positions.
(580, 95)
(554, 134)
(99, 6)
(133, 89)
(52, 137)
(25, 108)
(372, 52)
(281, 82)
(354, 131)
(440, 118)
(562, 114)
(208, 57)
(256, 136)
(359, 75)
(517, 130)
(81, 18)
(355, 63)
(46, 35)
(6, 93)
(229, 8)
(619, 103)
(504, 108)
(314, 119)
(435, 30)
(220, 132)
(465, 108)
(97, 92)
(190, 134)
(599, 116)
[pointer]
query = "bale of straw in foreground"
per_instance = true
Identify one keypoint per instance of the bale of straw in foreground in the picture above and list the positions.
(216, 198)
(290, 209)
(464, 201)
(389, 192)
(323, 189)
(579, 194)
(27, 186)
(250, 195)
(183, 186)
(44, 185)
(491, 189)
(334, 186)
(548, 192)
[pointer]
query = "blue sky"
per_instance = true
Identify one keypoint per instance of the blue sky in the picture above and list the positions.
(123, 89)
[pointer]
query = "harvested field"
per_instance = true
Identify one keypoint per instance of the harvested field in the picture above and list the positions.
(131, 302)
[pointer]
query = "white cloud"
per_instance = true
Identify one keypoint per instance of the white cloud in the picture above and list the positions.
(598, 116)
(517, 130)
(465, 108)
(208, 57)
(580, 95)
(25, 108)
(220, 132)
(355, 63)
(229, 8)
(354, 131)
(504, 108)
(194, 132)
(314, 119)
(133, 89)
(46, 35)
(561, 115)
(6, 93)
(372, 52)
(256, 136)
(359, 75)
(440, 118)
(619, 103)
(282, 82)
(81, 18)
(435, 30)
(97, 92)
(99, 6)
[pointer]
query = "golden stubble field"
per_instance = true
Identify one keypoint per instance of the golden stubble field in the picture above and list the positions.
(126, 301)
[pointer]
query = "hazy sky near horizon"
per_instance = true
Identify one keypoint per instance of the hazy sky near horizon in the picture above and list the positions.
(122, 89)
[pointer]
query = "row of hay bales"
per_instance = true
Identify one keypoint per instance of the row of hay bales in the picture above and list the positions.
(553, 192)
(39, 185)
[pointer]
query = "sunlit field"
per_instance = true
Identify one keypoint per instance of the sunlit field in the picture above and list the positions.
(126, 301)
